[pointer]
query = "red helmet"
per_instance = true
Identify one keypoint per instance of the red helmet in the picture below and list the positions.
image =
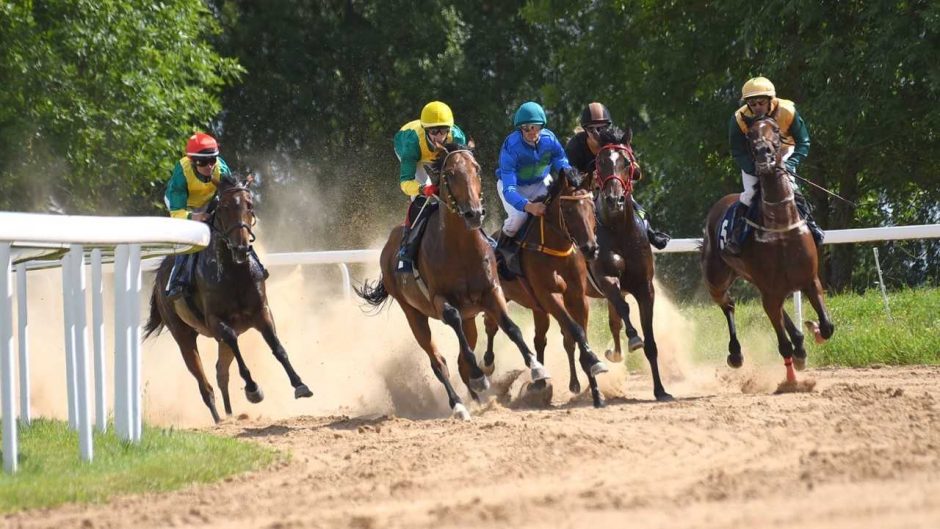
(201, 144)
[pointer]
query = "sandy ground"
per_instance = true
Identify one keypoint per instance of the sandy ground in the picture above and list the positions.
(376, 448)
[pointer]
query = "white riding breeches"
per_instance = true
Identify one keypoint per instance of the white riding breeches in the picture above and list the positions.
(750, 181)
(515, 218)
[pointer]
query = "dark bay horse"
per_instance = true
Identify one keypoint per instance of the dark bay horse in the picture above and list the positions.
(781, 258)
(458, 267)
(554, 280)
(228, 298)
(625, 261)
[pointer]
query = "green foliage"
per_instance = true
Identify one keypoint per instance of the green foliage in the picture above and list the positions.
(865, 334)
(51, 472)
(99, 96)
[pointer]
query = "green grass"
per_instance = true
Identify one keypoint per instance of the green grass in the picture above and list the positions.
(864, 333)
(51, 473)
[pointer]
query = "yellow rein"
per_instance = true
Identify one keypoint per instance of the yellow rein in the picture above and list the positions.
(545, 249)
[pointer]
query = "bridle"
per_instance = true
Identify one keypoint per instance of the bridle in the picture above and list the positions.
(562, 228)
(451, 202)
(627, 150)
(225, 232)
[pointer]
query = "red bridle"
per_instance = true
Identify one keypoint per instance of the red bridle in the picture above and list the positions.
(628, 154)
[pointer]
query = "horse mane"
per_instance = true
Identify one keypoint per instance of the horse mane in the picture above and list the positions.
(610, 136)
(438, 165)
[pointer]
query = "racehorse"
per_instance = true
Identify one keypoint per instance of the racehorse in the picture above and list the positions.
(229, 297)
(554, 279)
(625, 261)
(780, 260)
(459, 278)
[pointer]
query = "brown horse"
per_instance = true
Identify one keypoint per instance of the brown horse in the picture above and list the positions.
(555, 281)
(459, 277)
(625, 262)
(229, 297)
(780, 260)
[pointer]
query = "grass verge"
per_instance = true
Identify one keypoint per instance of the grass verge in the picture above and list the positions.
(51, 472)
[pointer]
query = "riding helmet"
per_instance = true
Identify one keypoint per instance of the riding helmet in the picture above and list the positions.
(757, 87)
(436, 114)
(595, 114)
(530, 112)
(201, 144)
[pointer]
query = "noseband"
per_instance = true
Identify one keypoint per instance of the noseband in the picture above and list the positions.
(628, 154)
(451, 202)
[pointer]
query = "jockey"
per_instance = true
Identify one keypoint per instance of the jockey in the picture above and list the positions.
(527, 156)
(189, 194)
(760, 99)
(417, 143)
(582, 149)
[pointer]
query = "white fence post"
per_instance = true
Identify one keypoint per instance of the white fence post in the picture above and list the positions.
(69, 321)
(97, 331)
(121, 365)
(22, 335)
(133, 313)
(6, 362)
(79, 315)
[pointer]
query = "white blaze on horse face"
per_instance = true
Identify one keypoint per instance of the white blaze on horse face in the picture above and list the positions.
(613, 154)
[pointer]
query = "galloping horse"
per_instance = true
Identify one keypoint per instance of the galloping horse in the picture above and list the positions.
(229, 297)
(625, 262)
(459, 277)
(554, 279)
(780, 260)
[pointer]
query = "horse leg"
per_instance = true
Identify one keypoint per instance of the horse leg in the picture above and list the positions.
(470, 331)
(422, 333)
(615, 322)
(646, 299)
(610, 286)
(226, 334)
(186, 339)
(718, 278)
(222, 367)
(540, 318)
(796, 337)
(824, 329)
(266, 326)
(773, 306)
(496, 309)
(576, 322)
(471, 374)
(489, 357)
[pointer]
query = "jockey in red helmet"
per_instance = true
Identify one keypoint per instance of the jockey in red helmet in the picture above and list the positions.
(189, 194)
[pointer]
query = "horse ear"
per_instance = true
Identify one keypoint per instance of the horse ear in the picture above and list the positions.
(250, 179)
(627, 137)
(432, 171)
(471, 144)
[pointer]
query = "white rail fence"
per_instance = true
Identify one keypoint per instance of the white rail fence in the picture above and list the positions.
(41, 241)
(33, 241)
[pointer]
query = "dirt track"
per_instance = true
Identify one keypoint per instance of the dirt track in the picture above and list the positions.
(862, 450)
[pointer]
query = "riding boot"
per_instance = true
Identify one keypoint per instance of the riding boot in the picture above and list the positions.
(405, 262)
(658, 239)
(264, 271)
(180, 277)
(734, 241)
(507, 251)
(806, 213)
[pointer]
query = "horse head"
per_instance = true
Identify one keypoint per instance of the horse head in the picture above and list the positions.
(575, 211)
(763, 137)
(457, 175)
(615, 169)
(234, 216)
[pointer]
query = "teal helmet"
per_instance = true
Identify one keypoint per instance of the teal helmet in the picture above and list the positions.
(530, 112)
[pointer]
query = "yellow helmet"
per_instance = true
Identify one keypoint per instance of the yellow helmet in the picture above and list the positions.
(758, 86)
(436, 114)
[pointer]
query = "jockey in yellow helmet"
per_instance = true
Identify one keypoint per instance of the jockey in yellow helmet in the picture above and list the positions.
(760, 99)
(417, 143)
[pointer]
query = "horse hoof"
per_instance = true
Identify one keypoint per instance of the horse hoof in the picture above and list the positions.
(302, 391)
(574, 387)
(664, 397)
(488, 369)
(480, 384)
(461, 413)
(598, 368)
(538, 371)
(735, 361)
(599, 402)
(614, 356)
(799, 363)
(635, 343)
(254, 397)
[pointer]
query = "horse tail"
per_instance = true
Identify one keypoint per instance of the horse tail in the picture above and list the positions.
(373, 293)
(155, 322)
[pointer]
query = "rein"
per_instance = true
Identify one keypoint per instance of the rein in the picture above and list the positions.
(224, 233)
(451, 203)
(561, 230)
